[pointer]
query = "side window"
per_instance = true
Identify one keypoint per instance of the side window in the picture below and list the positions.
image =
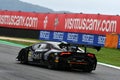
(36, 46)
(43, 46)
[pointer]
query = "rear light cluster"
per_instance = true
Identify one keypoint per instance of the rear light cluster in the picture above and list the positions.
(65, 53)
(90, 55)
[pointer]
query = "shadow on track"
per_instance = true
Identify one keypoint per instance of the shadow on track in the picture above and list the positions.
(60, 70)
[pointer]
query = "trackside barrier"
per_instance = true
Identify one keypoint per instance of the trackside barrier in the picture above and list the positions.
(111, 41)
(78, 38)
(87, 29)
(69, 22)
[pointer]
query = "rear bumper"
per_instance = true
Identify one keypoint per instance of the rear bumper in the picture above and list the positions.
(74, 65)
(77, 64)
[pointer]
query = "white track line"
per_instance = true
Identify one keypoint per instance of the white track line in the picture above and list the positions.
(108, 65)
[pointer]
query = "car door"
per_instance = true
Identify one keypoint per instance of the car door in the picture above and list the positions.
(39, 50)
(43, 49)
(32, 55)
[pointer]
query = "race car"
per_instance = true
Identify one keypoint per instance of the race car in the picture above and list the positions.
(58, 55)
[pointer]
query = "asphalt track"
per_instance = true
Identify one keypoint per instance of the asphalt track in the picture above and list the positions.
(12, 70)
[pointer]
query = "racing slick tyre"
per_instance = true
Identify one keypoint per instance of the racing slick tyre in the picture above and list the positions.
(52, 65)
(89, 68)
(51, 62)
(24, 58)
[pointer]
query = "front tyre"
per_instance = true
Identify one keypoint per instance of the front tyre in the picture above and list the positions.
(24, 57)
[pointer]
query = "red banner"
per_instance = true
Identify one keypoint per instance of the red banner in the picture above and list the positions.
(79, 23)
(23, 20)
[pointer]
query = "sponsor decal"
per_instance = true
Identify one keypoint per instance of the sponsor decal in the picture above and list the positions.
(72, 37)
(88, 38)
(56, 22)
(45, 35)
(101, 39)
(45, 22)
(77, 38)
(13, 20)
(91, 24)
(58, 36)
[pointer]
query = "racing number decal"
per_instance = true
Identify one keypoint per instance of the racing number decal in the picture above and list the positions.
(37, 55)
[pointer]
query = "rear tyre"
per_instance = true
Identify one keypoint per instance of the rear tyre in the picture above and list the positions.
(51, 65)
(51, 62)
(89, 68)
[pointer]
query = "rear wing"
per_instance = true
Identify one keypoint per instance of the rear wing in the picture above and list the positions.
(98, 48)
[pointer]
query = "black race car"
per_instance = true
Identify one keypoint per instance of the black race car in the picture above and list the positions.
(57, 55)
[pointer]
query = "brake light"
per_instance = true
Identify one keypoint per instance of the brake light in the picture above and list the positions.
(90, 55)
(65, 53)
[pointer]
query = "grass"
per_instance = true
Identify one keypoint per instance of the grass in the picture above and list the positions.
(22, 42)
(105, 55)
(109, 56)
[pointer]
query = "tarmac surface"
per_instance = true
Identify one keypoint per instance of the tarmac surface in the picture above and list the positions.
(12, 70)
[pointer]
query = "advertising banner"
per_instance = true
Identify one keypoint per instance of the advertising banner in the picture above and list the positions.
(83, 23)
(23, 20)
(60, 22)
(76, 38)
